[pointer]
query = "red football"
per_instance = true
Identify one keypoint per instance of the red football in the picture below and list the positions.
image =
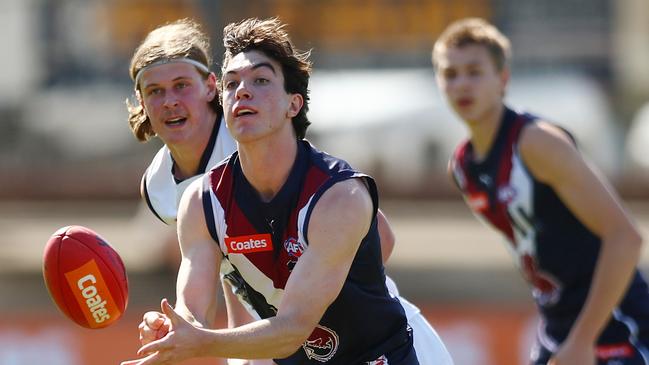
(85, 276)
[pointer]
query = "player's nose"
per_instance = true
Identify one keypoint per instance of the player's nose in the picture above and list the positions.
(170, 100)
(243, 92)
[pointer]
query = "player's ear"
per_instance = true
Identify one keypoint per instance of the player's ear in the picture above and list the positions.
(505, 74)
(296, 103)
(504, 80)
(212, 89)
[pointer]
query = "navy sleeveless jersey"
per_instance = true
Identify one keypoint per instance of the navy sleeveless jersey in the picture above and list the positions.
(554, 251)
(262, 242)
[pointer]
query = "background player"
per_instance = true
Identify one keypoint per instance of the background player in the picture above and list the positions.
(565, 226)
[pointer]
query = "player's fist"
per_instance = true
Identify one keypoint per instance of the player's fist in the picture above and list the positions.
(154, 326)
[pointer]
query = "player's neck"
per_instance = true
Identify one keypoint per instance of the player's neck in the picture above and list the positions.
(267, 164)
(186, 165)
(483, 132)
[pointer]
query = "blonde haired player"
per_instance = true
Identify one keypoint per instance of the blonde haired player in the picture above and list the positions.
(178, 103)
(564, 225)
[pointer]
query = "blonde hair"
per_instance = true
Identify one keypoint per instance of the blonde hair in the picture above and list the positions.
(181, 39)
(470, 31)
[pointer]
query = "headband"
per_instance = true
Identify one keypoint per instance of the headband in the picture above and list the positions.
(164, 61)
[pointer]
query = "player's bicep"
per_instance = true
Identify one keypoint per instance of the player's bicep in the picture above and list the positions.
(386, 235)
(198, 278)
(337, 226)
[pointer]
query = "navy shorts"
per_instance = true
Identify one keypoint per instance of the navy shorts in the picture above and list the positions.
(404, 354)
(611, 354)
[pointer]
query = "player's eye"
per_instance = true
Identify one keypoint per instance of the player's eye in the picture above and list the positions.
(450, 74)
(154, 91)
(261, 81)
(475, 72)
(229, 84)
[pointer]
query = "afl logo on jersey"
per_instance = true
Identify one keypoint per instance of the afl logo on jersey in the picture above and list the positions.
(506, 194)
(321, 345)
(293, 247)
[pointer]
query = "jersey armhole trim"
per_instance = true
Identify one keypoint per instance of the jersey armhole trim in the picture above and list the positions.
(208, 210)
(145, 195)
(344, 175)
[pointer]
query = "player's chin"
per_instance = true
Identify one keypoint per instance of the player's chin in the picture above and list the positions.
(247, 134)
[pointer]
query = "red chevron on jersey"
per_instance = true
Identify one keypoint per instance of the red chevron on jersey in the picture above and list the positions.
(477, 198)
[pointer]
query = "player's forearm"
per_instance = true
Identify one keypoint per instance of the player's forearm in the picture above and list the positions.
(237, 314)
(615, 267)
(198, 320)
(276, 337)
(196, 293)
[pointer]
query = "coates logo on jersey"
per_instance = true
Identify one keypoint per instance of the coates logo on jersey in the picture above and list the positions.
(248, 244)
(321, 345)
(478, 202)
(293, 247)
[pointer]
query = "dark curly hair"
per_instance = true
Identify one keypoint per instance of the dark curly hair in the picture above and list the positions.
(269, 37)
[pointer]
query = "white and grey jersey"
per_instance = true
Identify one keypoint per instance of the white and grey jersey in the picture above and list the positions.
(162, 191)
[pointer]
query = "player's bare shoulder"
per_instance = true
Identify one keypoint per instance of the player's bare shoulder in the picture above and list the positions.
(546, 149)
(190, 198)
(347, 205)
(544, 132)
(350, 193)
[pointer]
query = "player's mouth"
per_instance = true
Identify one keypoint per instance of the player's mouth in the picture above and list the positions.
(242, 111)
(464, 102)
(175, 122)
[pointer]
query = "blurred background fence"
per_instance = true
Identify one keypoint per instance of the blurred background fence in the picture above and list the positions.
(68, 157)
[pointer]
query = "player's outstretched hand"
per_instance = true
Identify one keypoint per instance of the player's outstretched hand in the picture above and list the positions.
(154, 326)
(177, 344)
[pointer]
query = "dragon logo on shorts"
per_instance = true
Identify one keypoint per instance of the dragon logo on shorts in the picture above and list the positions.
(321, 345)
(380, 361)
